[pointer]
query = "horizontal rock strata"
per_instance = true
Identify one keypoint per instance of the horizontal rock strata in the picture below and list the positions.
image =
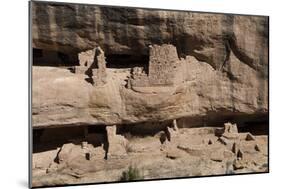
(224, 65)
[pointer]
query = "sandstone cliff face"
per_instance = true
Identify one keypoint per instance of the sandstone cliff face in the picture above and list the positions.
(208, 37)
(226, 68)
(63, 98)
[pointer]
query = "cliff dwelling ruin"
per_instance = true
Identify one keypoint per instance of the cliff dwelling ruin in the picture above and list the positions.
(227, 142)
(155, 96)
(162, 70)
(92, 63)
(163, 66)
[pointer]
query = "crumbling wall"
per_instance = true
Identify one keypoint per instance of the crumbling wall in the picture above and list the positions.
(116, 143)
(139, 78)
(99, 74)
(163, 64)
(93, 64)
(87, 58)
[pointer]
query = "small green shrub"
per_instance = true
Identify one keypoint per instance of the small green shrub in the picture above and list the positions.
(131, 174)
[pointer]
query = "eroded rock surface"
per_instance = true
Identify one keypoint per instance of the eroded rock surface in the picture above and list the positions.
(208, 37)
(199, 91)
(163, 91)
(224, 62)
(188, 154)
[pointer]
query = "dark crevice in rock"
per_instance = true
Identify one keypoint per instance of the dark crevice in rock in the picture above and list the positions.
(242, 56)
(96, 134)
(144, 128)
(219, 117)
(227, 56)
(43, 57)
(52, 138)
(126, 61)
(258, 127)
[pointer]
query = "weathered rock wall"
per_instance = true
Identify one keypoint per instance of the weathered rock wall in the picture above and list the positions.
(71, 28)
(231, 76)
(63, 98)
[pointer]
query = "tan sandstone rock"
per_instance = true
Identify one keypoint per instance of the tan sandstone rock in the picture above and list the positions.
(221, 73)
(116, 143)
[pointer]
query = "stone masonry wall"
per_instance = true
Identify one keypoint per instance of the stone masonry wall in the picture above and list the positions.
(163, 63)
